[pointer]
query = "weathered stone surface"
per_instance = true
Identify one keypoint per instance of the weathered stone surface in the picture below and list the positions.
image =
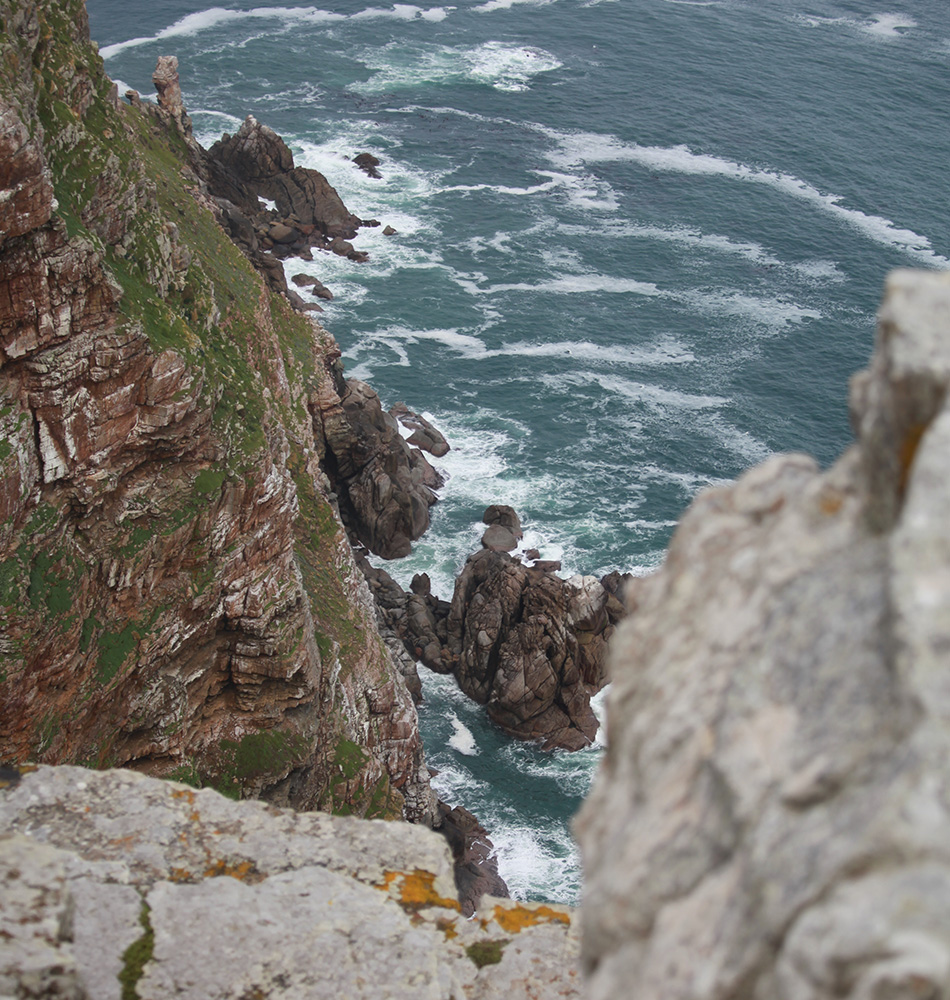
(220, 899)
(772, 816)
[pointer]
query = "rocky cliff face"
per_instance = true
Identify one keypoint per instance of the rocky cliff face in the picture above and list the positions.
(773, 817)
(178, 594)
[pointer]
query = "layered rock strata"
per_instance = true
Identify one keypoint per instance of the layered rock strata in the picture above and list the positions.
(772, 817)
(519, 639)
(117, 885)
(178, 595)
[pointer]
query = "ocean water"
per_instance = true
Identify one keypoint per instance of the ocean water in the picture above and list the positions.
(640, 247)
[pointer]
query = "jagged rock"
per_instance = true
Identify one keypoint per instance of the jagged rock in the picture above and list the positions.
(520, 640)
(475, 867)
(772, 816)
(515, 651)
(389, 231)
(424, 435)
(382, 485)
(167, 84)
(256, 164)
(315, 286)
(368, 164)
(116, 884)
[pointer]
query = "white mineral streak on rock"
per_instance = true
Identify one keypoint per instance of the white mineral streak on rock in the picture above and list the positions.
(773, 816)
(244, 899)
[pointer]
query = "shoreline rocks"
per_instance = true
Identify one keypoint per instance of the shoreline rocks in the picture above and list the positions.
(519, 640)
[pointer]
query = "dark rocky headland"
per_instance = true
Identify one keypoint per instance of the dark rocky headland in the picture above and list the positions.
(184, 475)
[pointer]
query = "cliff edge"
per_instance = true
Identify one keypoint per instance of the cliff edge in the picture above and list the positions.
(772, 818)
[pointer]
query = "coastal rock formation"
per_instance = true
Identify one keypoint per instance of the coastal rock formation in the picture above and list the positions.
(256, 163)
(520, 640)
(119, 885)
(383, 485)
(178, 595)
(772, 816)
(475, 864)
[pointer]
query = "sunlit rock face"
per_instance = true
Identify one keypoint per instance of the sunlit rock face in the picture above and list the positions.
(772, 818)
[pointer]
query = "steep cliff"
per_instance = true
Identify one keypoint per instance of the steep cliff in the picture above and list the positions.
(178, 594)
(773, 820)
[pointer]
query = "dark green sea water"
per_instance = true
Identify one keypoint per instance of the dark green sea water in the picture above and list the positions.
(641, 243)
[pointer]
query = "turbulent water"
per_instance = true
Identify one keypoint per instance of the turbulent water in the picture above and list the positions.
(640, 245)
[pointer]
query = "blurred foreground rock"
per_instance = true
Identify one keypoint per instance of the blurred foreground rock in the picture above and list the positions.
(115, 884)
(773, 817)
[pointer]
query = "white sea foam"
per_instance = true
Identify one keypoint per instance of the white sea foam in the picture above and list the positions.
(493, 5)
(205, 20)
(767, 312)
(653, 396)
(889, 25)
(534, 862)
(570, 284)
(502, 65)
(579, 148)
(599, 705)
(462, 739)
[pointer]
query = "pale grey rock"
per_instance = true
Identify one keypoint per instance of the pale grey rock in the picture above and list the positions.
(242, 899)
(773, 816)
(36, 917)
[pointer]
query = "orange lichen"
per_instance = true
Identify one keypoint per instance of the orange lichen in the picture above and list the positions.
(184, 793)
(513, 919)
(416, 890)
(831, 503)
(244, 871)
(447, 927)
(180, 875)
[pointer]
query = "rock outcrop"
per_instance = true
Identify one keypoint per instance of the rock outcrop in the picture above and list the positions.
(473, 854)
(119, 885)
(520, 640)
(383, 485)
(178, 595)
(772, 818)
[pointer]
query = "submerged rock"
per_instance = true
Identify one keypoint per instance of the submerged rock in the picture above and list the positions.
(772, 817)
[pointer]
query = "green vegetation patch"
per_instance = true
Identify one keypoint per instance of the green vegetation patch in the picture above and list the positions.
(484, 953)
(256, 755)
(137, 956)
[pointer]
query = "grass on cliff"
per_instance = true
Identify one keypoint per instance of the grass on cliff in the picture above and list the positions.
(217, 314)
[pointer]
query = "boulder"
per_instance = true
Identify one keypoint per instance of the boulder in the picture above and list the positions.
(368, 164)
(772, 816)
(424, 434)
